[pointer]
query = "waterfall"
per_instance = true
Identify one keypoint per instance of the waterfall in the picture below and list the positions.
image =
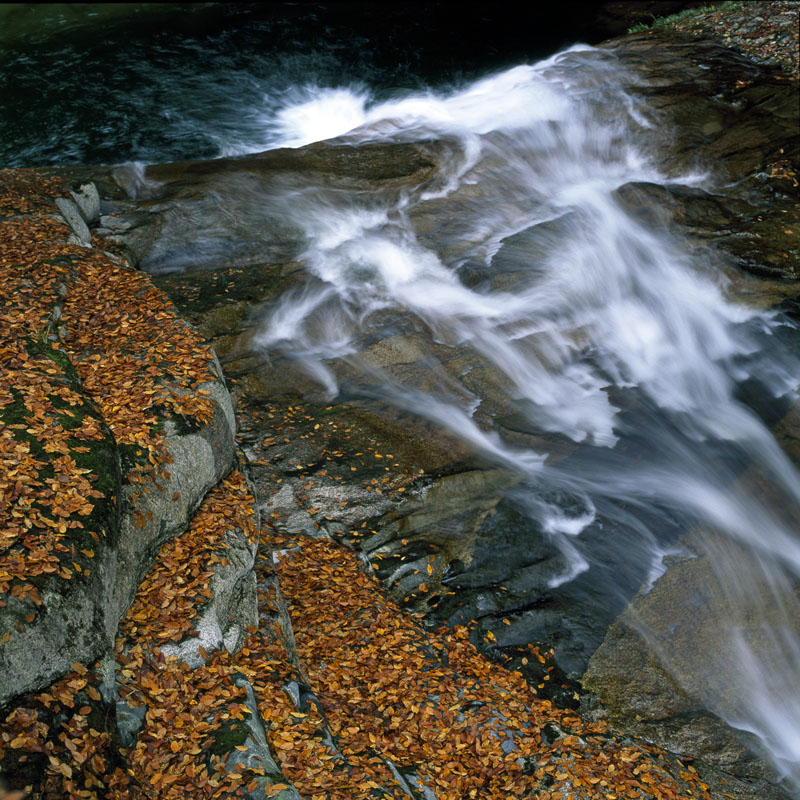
(619, 336)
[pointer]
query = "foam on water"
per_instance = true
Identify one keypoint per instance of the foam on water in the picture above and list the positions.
(600, 305)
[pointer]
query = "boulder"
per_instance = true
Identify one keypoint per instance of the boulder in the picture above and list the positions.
(62, 615)
(723, 114)
(75, 220)
(87, 199)
(71, 614)
(158, 507)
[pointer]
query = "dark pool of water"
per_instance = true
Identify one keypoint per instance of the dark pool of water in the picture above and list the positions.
(99, 83)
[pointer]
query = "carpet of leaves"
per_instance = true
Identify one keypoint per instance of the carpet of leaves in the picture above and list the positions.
(45, 424)
(173, 593)
(431, 702)
(58, 738)
(88, 349)
(185, 707)
(133, 354)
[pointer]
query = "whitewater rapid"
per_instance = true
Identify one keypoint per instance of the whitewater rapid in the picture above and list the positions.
(580, 304)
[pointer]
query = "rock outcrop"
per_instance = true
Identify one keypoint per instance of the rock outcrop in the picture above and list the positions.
(136, 501)
(114, 431)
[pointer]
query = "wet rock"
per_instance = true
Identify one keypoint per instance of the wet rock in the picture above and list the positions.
(420, 542)
(237, 202)
(724, 114)
(661, 685)
(761, 236)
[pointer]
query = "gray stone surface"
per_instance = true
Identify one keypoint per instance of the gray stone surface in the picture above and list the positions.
(669, 668)
(88, 201)
(230, 211)
(232, 607)
(71, 625)
(199, 460)
(70, 619)
(77, 619)
(443, 519)
(130, 720)
(257, 755)
(72, 216)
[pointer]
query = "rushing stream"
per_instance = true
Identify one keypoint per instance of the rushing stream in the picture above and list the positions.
(614, 335)
(592, 327)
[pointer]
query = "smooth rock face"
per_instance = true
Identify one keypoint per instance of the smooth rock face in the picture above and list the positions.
(736, 119)
(687, 615)
(443, 520)
(71, 626)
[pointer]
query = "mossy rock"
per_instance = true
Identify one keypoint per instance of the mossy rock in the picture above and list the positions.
(62, 618)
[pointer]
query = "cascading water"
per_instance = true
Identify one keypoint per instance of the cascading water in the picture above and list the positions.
(515, 277)
(598, 328)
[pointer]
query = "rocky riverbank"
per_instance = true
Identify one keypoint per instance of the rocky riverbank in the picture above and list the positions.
(147, 651)
(184, 615)
(766, 32)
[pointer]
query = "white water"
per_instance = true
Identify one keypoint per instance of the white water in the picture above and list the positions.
(600, 302)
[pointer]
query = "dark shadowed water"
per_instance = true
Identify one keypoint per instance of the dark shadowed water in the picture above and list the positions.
(103, 83)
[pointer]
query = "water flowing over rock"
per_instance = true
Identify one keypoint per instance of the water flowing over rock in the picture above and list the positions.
(554, 299)
(554, 286)
(234, 200)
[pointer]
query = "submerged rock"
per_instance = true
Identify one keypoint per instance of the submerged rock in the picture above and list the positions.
(238, 203)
